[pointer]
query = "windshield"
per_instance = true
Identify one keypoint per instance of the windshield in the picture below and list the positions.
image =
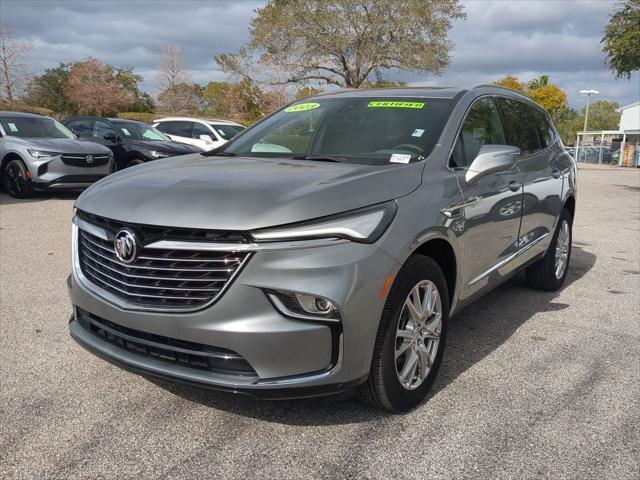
(226, 132)
(374, 131)
(34, 127)
(139, 131)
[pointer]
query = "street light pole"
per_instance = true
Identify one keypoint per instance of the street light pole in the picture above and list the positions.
(588, 93)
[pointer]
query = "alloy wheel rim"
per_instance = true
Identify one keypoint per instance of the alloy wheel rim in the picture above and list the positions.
(14, 179)
(562, 250)
(418, 334)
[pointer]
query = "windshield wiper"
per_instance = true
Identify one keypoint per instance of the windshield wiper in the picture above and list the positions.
(216, 153)
(320, 158)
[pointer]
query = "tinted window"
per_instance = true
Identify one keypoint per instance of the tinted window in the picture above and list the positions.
(545, 130)
(363, 130)
(227, 132)
(82, 128)
(181, 129)
(34, 127)
(138, 131)
(520, 122)
(480, 127)
(199, 129)
(100, 129)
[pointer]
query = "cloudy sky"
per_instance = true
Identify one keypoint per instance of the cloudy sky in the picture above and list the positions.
(524, 38)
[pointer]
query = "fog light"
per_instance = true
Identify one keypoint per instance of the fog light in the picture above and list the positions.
(302, 305)
(315, 305)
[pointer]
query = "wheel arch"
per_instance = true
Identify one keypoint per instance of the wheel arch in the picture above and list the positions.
(7, 158)
(570, 205)
(443, 253)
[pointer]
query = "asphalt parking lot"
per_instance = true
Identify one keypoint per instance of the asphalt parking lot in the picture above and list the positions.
(533, 384)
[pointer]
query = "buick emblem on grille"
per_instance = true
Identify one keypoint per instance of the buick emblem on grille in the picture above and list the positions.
(126, 245)
(89, 159)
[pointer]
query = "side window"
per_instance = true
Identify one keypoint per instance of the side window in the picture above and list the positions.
(82, 128)
(520, 125)
(166, 127)
(480, 127)
(100, 129)
(199, 129)
(545, 130)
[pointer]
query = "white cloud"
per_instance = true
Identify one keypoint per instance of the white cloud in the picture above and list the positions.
(526, 38)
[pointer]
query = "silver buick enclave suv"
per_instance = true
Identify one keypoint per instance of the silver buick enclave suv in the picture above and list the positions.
(39, 153)
(326, 247)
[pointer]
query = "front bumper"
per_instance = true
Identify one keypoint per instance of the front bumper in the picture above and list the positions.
(54, 174)
(290, 357)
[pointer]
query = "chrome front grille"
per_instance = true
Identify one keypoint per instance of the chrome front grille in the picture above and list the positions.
(78, 160)
(158, 278)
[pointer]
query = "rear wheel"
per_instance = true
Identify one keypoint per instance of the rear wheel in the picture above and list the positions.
(16, 180)
(411, 338)
(550, 272)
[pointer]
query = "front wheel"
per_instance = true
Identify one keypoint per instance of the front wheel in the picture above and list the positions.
(550, 272)
(16, 180)
(134, 162)
(411, 338)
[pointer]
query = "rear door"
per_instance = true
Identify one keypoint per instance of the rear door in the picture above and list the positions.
(529, 129)
(492, 207)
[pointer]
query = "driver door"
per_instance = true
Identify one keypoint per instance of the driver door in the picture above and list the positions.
(492, 206)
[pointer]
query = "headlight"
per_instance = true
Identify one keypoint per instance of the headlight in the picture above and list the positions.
(365, 225)
(42, 153)
(157, 154)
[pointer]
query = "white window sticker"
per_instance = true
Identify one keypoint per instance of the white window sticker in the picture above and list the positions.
(126, 132)
(13, 128)
(418, 132)
(400, 158)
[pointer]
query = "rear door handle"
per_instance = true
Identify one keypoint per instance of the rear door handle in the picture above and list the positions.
(556, 173)
(515, 185)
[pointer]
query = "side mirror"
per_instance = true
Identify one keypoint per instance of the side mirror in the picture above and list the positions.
(206, 138)
(491, 159)
(111, 137)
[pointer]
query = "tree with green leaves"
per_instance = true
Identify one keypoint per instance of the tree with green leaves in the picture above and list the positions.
(621, 39)
(341, 42)
(47, 90)
(130, 81)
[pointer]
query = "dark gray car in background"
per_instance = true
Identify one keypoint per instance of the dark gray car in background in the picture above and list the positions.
(39, 153)
(326, 247)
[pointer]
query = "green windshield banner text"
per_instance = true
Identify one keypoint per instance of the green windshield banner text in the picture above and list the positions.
(302, 107)
(392, 104)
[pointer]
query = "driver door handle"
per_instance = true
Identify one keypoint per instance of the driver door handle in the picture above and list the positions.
(515, 185)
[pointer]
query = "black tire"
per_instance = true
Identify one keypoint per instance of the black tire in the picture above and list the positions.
(134, 162)
(16, 180)
(542, 274)
(383, 388)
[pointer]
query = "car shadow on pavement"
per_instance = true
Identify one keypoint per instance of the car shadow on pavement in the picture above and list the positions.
(6, 199)
(475, 332)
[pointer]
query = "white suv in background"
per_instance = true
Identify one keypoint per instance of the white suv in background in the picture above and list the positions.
(202, 133)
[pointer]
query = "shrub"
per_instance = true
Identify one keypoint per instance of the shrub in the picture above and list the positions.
(7, 106)
(145, 117)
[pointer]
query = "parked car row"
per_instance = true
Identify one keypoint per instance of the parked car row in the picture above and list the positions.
(40, 153)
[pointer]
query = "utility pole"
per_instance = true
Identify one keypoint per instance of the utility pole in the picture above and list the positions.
(588, 93)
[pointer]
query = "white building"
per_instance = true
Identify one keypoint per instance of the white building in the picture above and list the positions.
(630, 118)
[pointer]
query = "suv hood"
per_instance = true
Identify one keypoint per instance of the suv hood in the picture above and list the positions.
(243, 193)
(62, 145)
